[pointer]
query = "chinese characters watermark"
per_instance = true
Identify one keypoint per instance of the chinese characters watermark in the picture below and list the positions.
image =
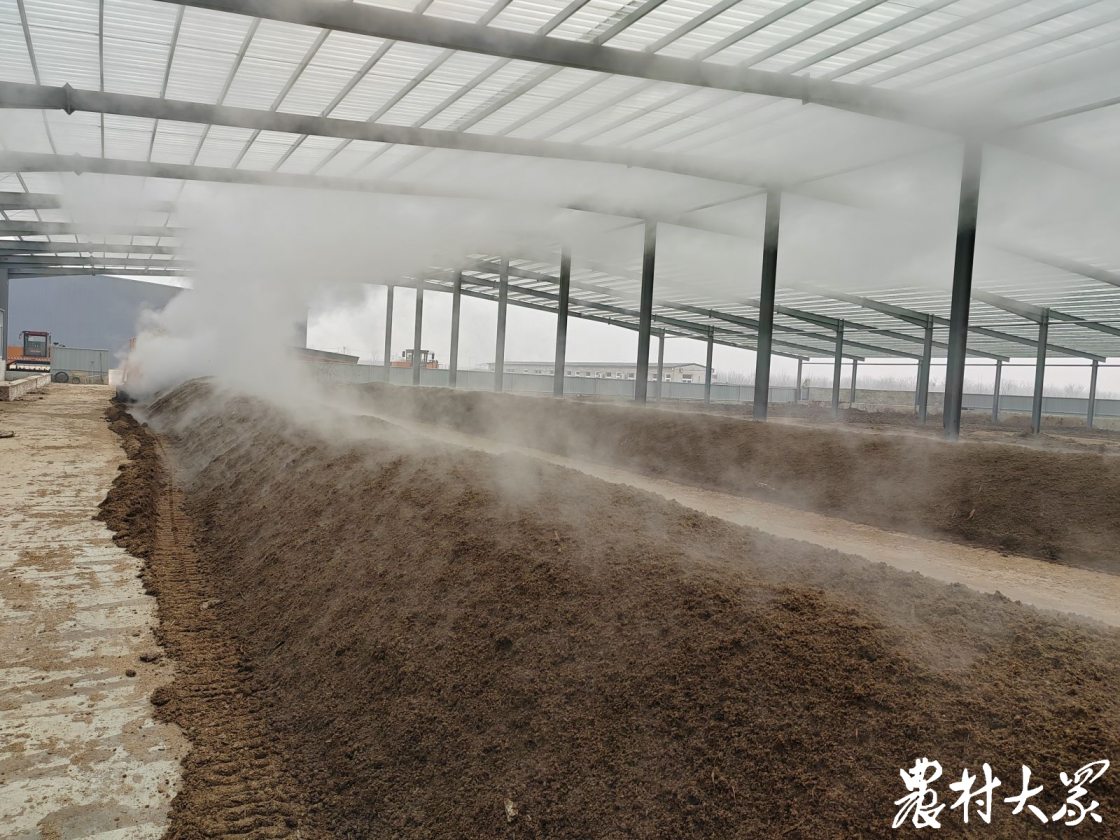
(920, 805)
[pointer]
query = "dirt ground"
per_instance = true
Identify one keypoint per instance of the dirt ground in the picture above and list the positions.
(1055, 505)
(80, 752)
(445, 643)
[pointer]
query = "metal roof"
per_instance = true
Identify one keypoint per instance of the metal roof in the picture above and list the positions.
(679, 111)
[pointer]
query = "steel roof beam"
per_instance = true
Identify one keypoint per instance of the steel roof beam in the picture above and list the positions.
(542, 49)
(85, 229)
(87, 262)
(750, 323)
(34, 162)
(1037, 314)
(819, 320)
(68, 99)
(1101, 275)
(48, 201)
(692, 333)
(94, 272)
(919, 319)
(10, 247)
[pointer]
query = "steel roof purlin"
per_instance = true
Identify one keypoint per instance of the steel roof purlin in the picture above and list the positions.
(677, 103)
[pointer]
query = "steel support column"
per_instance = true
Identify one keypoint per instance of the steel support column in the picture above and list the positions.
(645, 312)
(418, 336)
(766, 304)
(962, 288)
(5, 317)
(837, 369)
(660, 363)
(1092, 396)
(995, 394)
(561, 360)
(1040, 372)
(388, 330)
(456, 305)
(852, 394)
(301, 328)
(924, 368)
(500, 341)
(797, 385)
(708, 367)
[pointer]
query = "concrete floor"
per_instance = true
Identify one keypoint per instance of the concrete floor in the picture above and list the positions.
(80, 754)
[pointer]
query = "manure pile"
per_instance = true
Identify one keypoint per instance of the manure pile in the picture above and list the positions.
(447, 644)
(1057, 506)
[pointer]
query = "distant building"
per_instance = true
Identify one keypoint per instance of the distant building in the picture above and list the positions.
(96, 312)
(675, 372)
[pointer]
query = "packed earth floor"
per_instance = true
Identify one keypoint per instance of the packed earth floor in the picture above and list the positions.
(376, 633)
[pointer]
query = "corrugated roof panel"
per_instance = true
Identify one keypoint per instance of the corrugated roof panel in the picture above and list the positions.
(266, 150)
(982, 64)
(135, 67)
(546, 123)
(258, 82)
(399, 5)
(310, 154)
(525, 15)
(140, 20)
(198, 75)
(23, 131)
(468, 11)
(722, 26)
(396, 69)
(176, 142)
(914, 29)
(448, 78)
(46, 182)
(386, 163)
(67, 55)
(15, 63)
(334, 65)
(79, 133)
(349, 158)
(55, 215)
(492, 92)
(595, 122)
(222, 145)
(9, 15)
(270, 61)
(127, 138)
(592, 17)
(218, 32)
(346, 51)
(63, 15)
(316, 87)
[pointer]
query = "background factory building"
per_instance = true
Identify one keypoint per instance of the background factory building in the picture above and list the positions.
(671, 372)
(96, 311)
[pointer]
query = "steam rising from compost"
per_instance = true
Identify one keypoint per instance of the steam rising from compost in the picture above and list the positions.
(262, 257)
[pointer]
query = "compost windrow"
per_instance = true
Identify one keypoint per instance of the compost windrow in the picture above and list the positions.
(1054, 505)
(448, 644)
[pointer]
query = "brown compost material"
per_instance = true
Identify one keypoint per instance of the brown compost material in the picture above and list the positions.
(395, 640)
(1059, 506)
